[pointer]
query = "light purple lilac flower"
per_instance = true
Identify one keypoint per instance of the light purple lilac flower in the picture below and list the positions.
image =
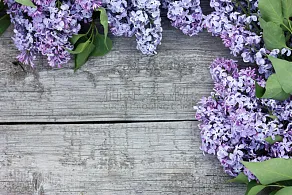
(142, 18)
(236, 22)
(118, 12)
(137, 17)
(185, 15)
(234, 123)
(46, 29)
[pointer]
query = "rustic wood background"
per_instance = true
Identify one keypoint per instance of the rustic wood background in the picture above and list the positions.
(122, 125)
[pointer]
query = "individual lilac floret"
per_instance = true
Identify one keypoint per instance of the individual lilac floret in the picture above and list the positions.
(234, 123)
(89, 5)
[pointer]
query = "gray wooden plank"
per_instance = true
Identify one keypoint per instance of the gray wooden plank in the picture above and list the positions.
(109, 159)
(124, 85)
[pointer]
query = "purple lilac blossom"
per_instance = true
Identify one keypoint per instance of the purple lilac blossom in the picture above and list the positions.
(137, 17)
(147, 22)
(118, 12)
(234, 123)
(46, 29)
(236, 22)
(185, 15)
(142, 19)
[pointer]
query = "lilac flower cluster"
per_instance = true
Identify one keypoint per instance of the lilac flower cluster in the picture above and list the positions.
(235, 124)
(142, 18)
(47, 28)
(185, 15)
(236, 22)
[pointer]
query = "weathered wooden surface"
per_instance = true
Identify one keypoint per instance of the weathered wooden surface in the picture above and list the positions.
(109, 159)
(124, 85)
(54, 136)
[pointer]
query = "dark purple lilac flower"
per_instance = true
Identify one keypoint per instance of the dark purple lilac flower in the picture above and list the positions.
(234, 123)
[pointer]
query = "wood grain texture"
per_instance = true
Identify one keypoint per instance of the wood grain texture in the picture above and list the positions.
(109, 159)
(124, 85)
(152, 158)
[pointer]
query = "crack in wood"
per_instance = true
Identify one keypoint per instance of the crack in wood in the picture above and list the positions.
(93, 122)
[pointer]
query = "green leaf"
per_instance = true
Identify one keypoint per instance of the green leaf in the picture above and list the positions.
(273, 192)
(100, 48)
(283, 70)
(104, 23)
(271, 10)
(2, 6)
(256, 189)
(81, 58)
(287, 8)
(241, 178)
(274, 89)
(26, 3)
(260, 91)
(75, 38)
(285, 191)
(270, 140)
(271, 171)
(80, 48)
(273, 35)
(288, 36)
(4, 23)
(272, 116)
(285, 183)
(81, 40)
(250, 185)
